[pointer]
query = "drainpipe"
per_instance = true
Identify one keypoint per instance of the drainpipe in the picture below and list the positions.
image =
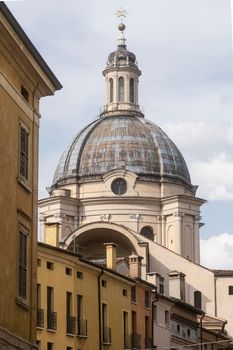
(215, 297)
(34, 214)
(99, 308)
(153, 315)
(201, 335)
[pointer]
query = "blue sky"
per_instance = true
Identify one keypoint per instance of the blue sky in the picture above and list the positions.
(184, 49)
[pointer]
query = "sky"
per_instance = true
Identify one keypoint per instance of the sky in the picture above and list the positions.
(184, 49)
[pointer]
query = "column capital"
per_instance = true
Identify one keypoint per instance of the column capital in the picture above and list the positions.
(178, 214)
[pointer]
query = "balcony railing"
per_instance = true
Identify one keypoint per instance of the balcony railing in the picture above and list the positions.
(107, 335)
(40, 318)
(82, 328)
(136, 341)
(127, 341)
(70, 325)
(52, 320)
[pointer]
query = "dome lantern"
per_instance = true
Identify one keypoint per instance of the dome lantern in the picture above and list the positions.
(122, 77)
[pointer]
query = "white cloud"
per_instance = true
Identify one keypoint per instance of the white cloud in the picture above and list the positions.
(217, 251)
(214, 177)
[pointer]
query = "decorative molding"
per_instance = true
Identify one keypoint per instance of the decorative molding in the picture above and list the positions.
(134, 217)
(105, 217)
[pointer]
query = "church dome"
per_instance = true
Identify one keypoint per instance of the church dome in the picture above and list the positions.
(121, 138)
(121, 142)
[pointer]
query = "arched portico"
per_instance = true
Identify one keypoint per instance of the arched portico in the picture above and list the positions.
(89, 240)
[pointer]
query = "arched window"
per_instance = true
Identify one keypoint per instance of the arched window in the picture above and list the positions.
(111, 89)
(147, 232)
(121, 89)
(131, 90)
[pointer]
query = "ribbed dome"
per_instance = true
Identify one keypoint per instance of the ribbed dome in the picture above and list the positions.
(122, 56)
(121, 142)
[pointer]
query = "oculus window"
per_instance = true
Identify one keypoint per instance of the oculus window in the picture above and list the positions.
(119, 186)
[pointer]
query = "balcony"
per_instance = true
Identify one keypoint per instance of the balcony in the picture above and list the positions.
(40, 318)
(82, 328)
(51, 320)
(136, 341)
(127, 341)
(70, 325)
(107, 336)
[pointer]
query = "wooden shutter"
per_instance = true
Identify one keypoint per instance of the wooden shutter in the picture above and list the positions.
(22, 267)
(23, 166)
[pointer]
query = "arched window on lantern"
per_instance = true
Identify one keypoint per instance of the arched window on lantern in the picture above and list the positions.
(121, 89)
(147, 232)
(131, 90)
(111, 90)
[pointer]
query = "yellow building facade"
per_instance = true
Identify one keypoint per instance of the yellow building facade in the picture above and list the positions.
(24, 79)
(81, 305)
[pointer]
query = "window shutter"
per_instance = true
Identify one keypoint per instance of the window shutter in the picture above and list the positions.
(22, 268)
(24, 152)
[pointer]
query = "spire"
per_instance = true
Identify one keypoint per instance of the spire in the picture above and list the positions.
(122, 77)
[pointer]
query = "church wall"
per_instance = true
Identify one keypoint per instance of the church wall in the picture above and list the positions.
(225, 300)
(197, 277)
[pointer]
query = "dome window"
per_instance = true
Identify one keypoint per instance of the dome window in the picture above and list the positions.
(131, 90)
(147, 232)
(111, 89)
(119, 186)
(121, 89)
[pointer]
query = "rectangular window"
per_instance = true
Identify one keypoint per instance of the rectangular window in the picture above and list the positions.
(24, 148)
(230, 290)
(125, 292)
(49, 346)
(125, 329)
(147, 340)
(70, 325)
(68, 271)
(147, 299)
(167, 318)
(133, 294)
(51, 315)
(68, 303)
(161, 285)
(22, 264)
(154, 313)
(104, 283)
(25, 93)
(49, 265)
(79, 306)
(79, 275)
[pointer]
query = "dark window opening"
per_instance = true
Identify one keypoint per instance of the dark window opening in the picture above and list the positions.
(111, 89)
(25, 93)
(80, 274)
(197, 299)
(121, 89)
(49, 265)
(119, 186)
(68, 271)
(147, 232)
(131, 90)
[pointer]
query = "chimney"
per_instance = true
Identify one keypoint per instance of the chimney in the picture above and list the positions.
(177, 285)
(135, 266)
(111, 255)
